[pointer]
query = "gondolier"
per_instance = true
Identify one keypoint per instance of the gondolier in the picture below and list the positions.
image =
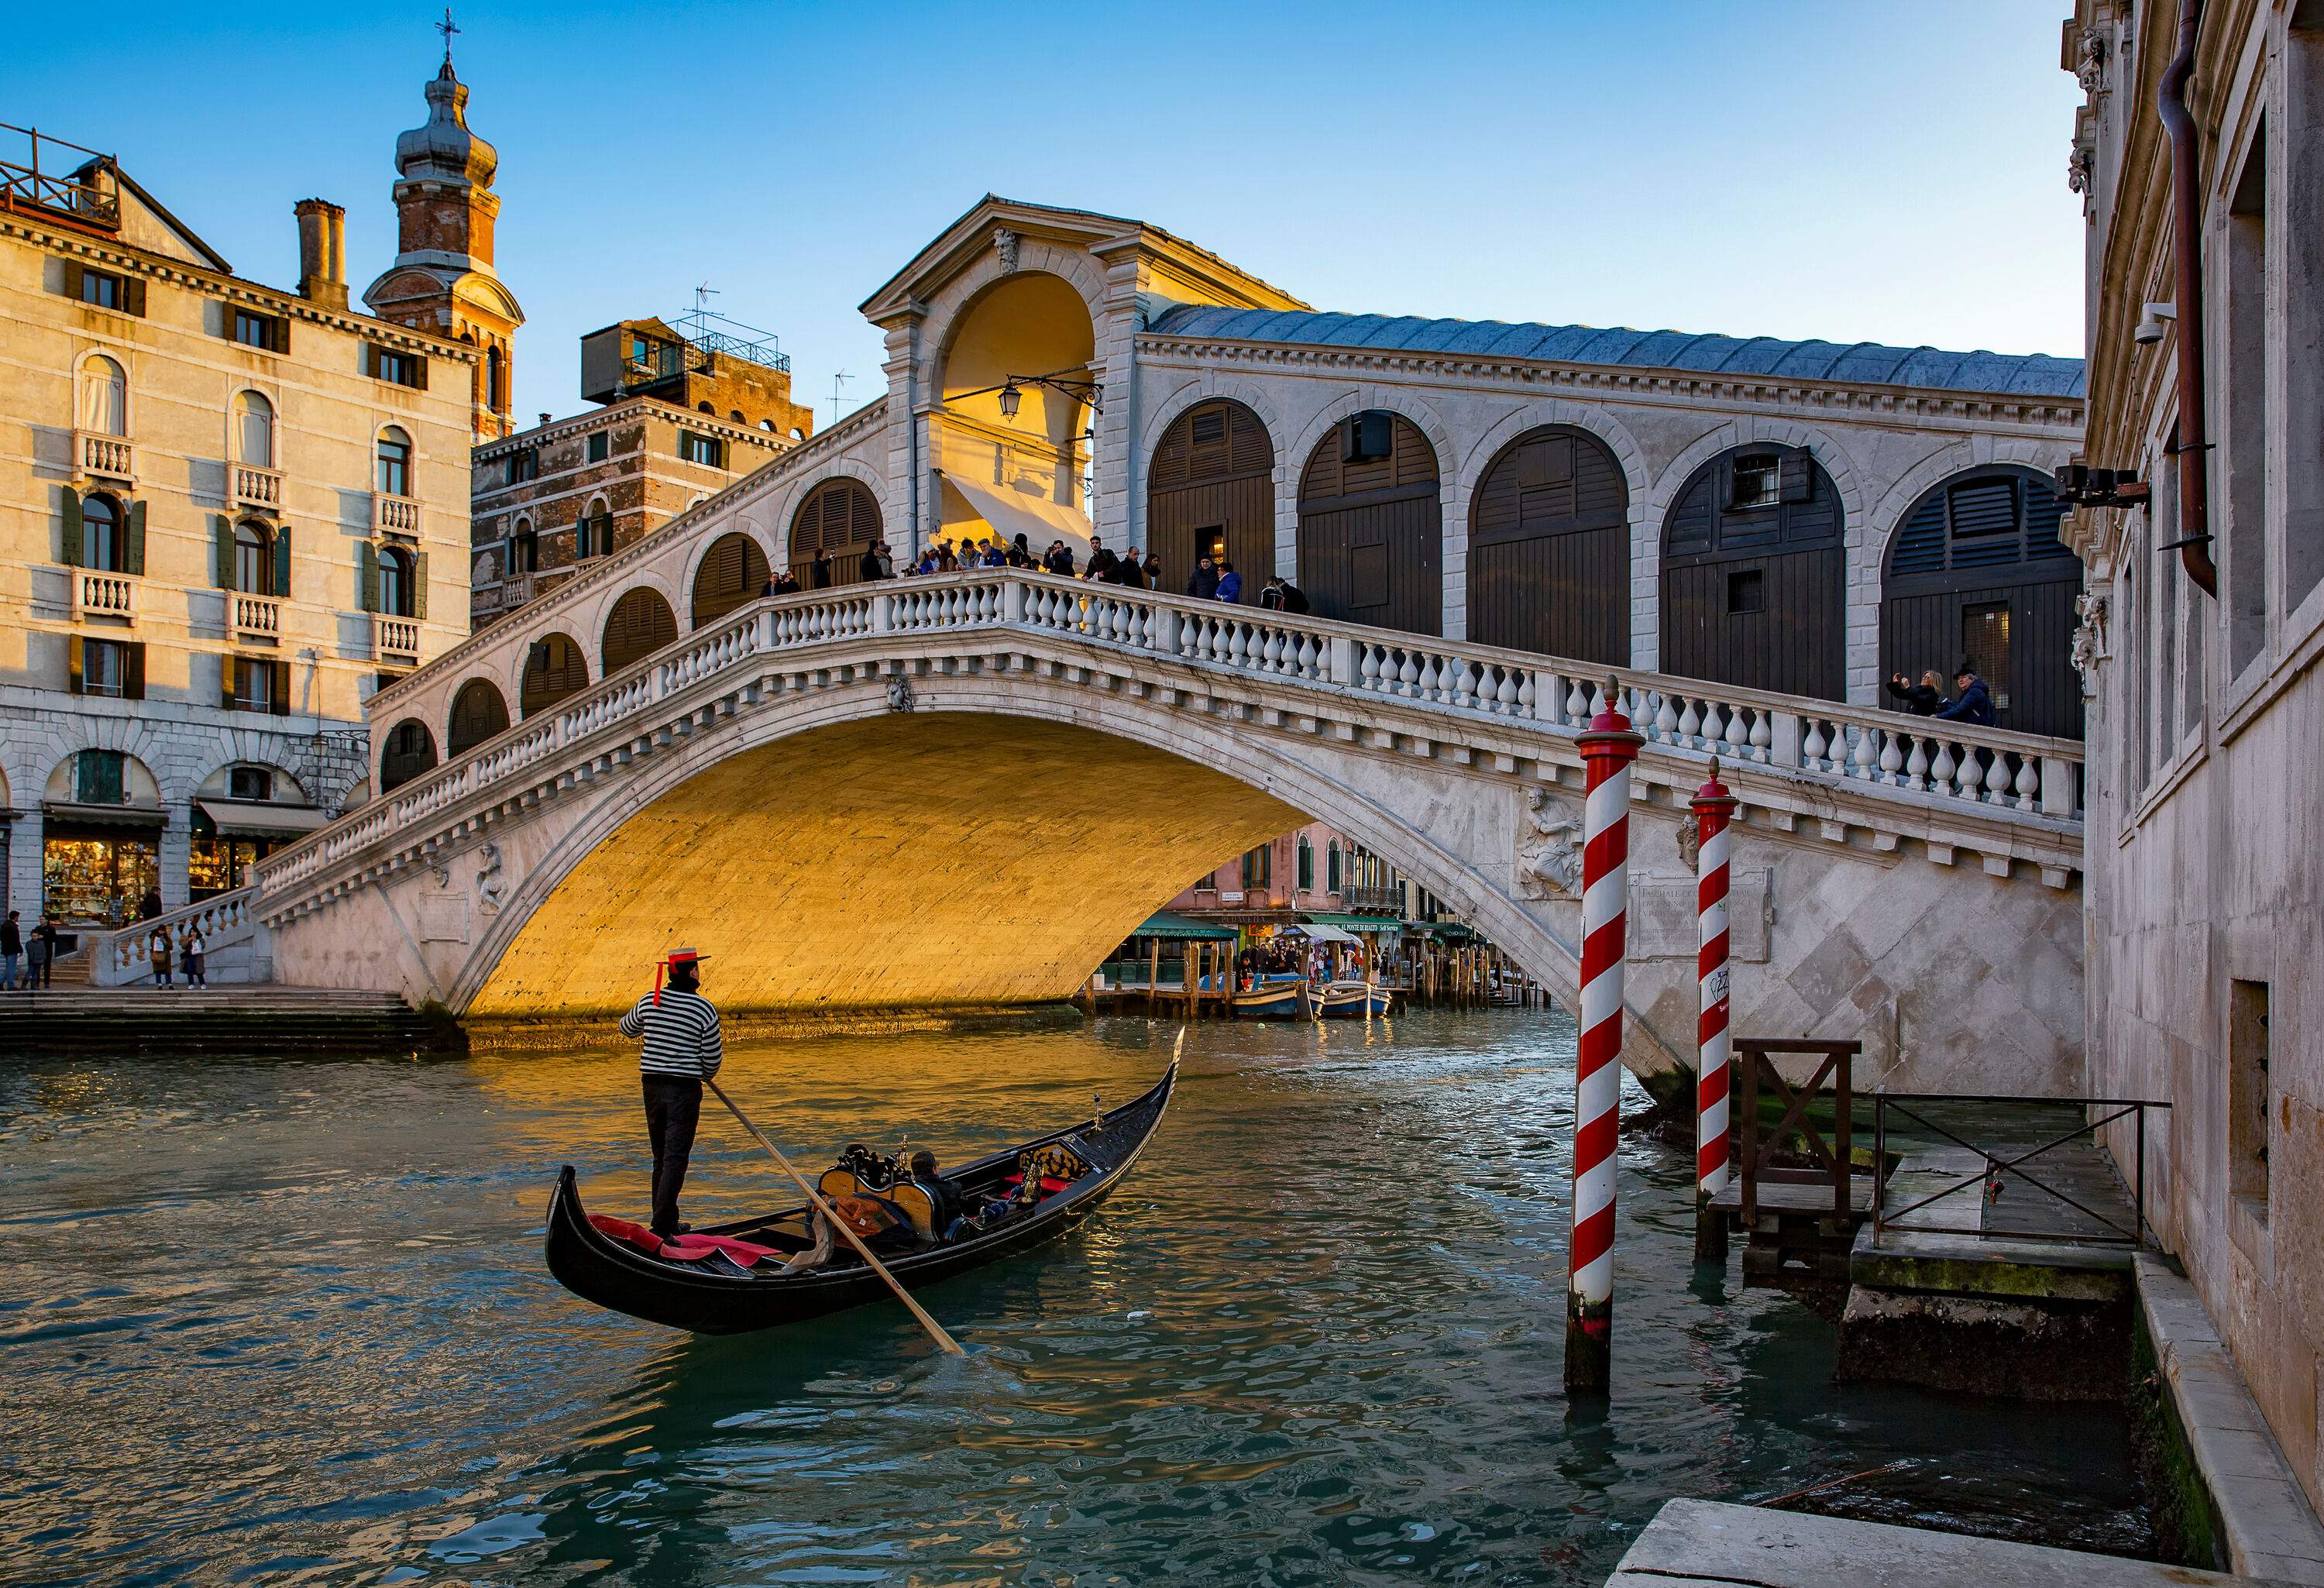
(682, 1049)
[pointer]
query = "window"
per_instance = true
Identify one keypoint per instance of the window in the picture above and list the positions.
(1259, 866)
(1332, 866)
(707, 450)
(395, 582)
(104, 396)
(522, 466)
(254, 682)
(1746, 592)
(497, 382)
(2243, 595)
(253, 431)
(592, 536)
(100, 534)
(253, 561)
(1306, 866)
(104, 288)
(394, 463)
(105, 669)
(1208, 882)
(398, 368)
(523, 549)
(1364, 437)
(600, 446)
(2249, 1096)
(249, 782)
(99, 777)
(1758, 482)
(266, 332)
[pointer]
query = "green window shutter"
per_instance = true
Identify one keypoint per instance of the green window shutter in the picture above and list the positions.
(72, 547)
(283, 563)
(133, 672)
(281, 693)
(221, 550)
(72, 279)
(420, 587)
(73, 664)
(367, 575)
(132, 550)
(132, 295)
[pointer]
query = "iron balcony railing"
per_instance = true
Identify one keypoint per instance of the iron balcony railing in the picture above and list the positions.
(2001, 1164)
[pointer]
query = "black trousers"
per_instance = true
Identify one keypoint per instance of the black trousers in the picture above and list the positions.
(673, 1109)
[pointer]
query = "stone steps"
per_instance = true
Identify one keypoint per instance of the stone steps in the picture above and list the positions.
(226, 1019)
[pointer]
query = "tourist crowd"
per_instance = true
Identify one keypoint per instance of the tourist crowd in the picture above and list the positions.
(1214, 579)
(1972, 703)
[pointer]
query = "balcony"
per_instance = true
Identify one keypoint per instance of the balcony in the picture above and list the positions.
(105, 458)
(261, 488)
(397, 515)
(257, 617)
(108, 596)
(1368, 900)
(394, 639)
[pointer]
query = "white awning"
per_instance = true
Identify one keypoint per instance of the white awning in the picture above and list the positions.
(236, 819)
(1039, 519)
(1323, 934)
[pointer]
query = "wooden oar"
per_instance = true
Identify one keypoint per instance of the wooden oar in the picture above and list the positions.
(935, 1330)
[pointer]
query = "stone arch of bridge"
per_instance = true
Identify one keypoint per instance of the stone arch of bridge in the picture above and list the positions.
(815, 814)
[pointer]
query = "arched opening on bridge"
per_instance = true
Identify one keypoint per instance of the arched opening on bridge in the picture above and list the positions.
(640, 624)
(802, 867)
(1018, 394)
(732, 573)
(837, 524)
(1210, 492)
(410, 751)
(478, 714)
(1549, 548)
(1976, 572)
(1371, 525)
(554, 668)
(1754, 575)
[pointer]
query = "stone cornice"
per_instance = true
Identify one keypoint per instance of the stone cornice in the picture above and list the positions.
(562, 429)
(1916, 404)
(231, 288)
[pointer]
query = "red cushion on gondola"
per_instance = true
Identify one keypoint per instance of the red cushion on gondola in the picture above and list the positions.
(684, 1248)
(1047, 1183)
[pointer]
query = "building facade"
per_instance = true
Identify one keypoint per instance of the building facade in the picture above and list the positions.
(2203, 623)
(227, 511)
(686, 414)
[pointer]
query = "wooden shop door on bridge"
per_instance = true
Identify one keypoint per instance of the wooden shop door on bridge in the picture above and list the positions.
(1754, 575)
(1371, 525)
(1549, 548)
(1210, 492)
(840, 519)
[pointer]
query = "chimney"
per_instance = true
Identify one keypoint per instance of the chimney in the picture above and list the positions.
(322, 253)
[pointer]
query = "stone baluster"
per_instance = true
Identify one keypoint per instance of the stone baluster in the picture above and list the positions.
(1814, 746)
(1868, 753)
(1916, 765)
(1996, 778)
(2028, 786)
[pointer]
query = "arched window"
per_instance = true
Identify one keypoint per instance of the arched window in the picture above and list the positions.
(1371, 530)
(523, 549)
(395, 582)
(734, 572)
(478, 714)
(1549, 548)
(495, 381)
(640, 624)
(254, 560)
(592, 534)
(1332, 866)
(101, 545)
(253, 431)
(410, 750)
(554, 668)
(837, 522)
(707, 409)
(1306, 866)
(735, 415)
(1210, 492)
(104, 396)
(394, 463)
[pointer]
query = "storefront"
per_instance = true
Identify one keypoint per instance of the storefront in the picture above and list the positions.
(230, 836)
(98, 861)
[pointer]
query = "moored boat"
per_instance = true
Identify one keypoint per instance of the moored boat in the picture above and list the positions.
(1354, 1000)
(725, 1280)
(1287, 999)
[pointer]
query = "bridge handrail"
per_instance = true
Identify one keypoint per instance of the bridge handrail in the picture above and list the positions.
(224, 919)
(1995, 770)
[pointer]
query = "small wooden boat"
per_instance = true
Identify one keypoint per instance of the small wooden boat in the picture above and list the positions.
(1354, 1001)
(1287, 1000)
(605, 1260)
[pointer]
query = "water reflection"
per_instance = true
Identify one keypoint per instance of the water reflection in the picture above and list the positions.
(291, 1317)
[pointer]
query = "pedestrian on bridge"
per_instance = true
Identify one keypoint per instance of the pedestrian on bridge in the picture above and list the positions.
(41, 952)
(12, 949)
(1972, 701)
(682, 1049)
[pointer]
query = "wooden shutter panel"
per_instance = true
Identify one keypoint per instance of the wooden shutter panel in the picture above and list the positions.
(371, 359)
(420, 587)
(283, 562)
(1795, 476)
(226, 666)
(280, 339)
(281, 694)
(72, 279)
(72, 526)
(419, 370)
(221, 550)
(367, 575)
(73, 660)
(132, 295)
(132, 545)
(132, 670)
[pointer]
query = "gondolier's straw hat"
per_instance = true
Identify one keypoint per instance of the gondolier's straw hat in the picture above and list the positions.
(671, 961)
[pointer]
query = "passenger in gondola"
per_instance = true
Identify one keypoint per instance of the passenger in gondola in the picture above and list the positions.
(950, 1211)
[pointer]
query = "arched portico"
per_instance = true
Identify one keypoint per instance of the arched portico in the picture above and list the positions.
(1018, 386)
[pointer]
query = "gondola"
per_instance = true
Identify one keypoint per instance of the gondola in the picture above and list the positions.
(713, 1295)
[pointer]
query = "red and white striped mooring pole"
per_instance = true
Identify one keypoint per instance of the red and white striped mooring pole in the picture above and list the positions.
(1713, 806)
(1607, 750)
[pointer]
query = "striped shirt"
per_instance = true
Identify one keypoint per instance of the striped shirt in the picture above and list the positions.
(681, 1035)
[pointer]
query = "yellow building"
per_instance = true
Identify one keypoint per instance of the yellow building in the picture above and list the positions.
(226, 511)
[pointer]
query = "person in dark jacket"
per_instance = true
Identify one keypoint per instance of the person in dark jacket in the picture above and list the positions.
(945, 1201)
(1129, 572)
(1059, 559)
(1972, 702)
(818, 572)
(1203, 583)
(12, 949)
(1922, 699)
(869, 568)
(1229, 582)
(1020, 552)
(1101, 561)
(1280, 595)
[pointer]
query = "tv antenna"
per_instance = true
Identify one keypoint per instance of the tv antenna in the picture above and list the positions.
(836, 380)
(702, 295)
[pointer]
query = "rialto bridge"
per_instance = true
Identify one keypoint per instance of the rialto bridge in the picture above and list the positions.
(966, 790)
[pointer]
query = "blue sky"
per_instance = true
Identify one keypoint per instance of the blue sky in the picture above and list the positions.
(1856, 169)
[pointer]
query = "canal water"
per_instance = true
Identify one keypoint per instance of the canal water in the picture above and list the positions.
(287, 1321)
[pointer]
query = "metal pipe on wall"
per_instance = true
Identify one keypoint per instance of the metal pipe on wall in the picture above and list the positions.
(2192, 452)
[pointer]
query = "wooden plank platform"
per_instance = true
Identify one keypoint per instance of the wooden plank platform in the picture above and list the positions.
(1787, 1196)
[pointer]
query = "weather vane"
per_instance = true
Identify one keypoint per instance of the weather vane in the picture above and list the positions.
(447, 27)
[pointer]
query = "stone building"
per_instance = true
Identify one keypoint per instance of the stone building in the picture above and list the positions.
(686, 412)
(2203, 623)
(231, 510)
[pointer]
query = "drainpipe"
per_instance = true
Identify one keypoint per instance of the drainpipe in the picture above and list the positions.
(2194, 542)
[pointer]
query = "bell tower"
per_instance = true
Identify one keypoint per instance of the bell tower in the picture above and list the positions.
(442, 279)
